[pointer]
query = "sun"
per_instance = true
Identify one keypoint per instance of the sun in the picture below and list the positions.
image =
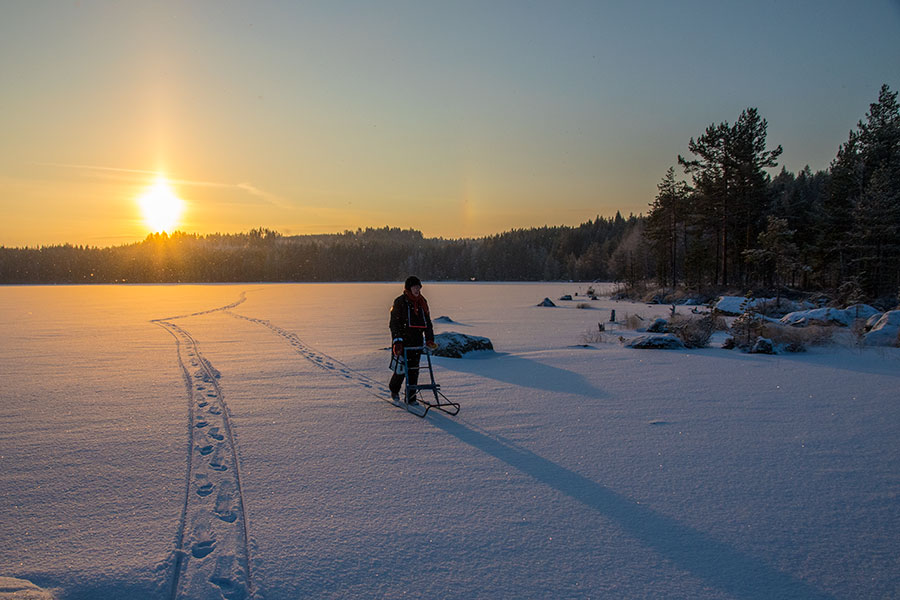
(161, 207)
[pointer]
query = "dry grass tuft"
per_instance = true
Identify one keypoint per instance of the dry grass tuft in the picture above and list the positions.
(592, 336)
(694, 333)
(798, 337)
(634, 321)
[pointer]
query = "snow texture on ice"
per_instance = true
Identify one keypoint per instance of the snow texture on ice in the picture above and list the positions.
(704, 473)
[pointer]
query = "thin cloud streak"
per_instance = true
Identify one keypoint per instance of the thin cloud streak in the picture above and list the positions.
(249, 188)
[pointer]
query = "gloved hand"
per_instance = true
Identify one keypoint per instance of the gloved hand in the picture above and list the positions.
(397, 348)
(431, 345)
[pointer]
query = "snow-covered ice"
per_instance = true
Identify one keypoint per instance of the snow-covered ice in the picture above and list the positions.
(209, 441)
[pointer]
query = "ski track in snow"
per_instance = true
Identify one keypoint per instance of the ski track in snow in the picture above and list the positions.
(320, 359)
(212, 545)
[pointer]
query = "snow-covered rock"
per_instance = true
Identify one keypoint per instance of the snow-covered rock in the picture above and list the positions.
(454, 345)
(763, 346)
(886, 331)
(12, 588)
(829, 316)
(664, 341)
(862, 311)
(546, 302)
(658, 326)
(871, 321)
(736, 305)
(444, 319)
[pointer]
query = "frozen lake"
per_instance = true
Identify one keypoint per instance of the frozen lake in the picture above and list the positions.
(210, 441)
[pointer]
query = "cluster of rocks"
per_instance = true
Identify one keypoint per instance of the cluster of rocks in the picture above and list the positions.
(760, 345)
(843, 317)
(759, 334)
(874, 327)
(877, 328)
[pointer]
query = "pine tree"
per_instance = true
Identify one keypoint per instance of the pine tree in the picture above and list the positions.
(876, 235)
(776, 255)
(862, 208)
(750, 185)
(665, 226)
(839, 205)
(731, 185)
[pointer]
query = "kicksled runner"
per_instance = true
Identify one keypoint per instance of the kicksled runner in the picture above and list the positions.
(421, 392)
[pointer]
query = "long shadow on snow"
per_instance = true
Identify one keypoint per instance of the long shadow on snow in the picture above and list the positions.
(523, 372)
(718, 564)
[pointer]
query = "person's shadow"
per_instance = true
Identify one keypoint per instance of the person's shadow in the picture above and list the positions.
(523, 372)
(715, 562)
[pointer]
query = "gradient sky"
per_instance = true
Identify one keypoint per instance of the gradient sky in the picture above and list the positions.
(456, 118)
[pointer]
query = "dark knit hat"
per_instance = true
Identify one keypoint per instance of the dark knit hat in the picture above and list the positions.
(411, 281)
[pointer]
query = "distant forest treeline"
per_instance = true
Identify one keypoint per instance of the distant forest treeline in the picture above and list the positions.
(728, 224)
(386, 254)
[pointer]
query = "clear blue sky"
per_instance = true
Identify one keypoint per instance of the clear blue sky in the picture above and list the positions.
(455, 118)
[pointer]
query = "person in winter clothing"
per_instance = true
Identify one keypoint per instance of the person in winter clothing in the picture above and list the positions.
(410, 327)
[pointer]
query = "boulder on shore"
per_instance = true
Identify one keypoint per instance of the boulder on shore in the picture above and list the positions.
(736, 305)
(658, 326)
(843, 317)
(454, 345)
(665, 341)
(886, 331)
(13, 588)
(763, 346)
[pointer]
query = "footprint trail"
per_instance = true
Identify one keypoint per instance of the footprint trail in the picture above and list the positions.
(212, 552)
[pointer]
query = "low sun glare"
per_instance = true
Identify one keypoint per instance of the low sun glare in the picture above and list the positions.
(160, 207)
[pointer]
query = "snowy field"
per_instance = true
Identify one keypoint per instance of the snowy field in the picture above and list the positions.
(210, 441)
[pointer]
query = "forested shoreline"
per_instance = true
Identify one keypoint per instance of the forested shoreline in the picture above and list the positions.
(386, 254)
(727, 224)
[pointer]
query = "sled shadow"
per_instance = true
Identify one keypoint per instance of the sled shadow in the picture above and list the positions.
(716, 563)
(523, 372)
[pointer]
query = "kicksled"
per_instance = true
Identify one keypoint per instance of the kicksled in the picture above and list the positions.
(422, 393)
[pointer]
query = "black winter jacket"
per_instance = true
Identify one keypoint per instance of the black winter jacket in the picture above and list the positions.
(409, 327)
